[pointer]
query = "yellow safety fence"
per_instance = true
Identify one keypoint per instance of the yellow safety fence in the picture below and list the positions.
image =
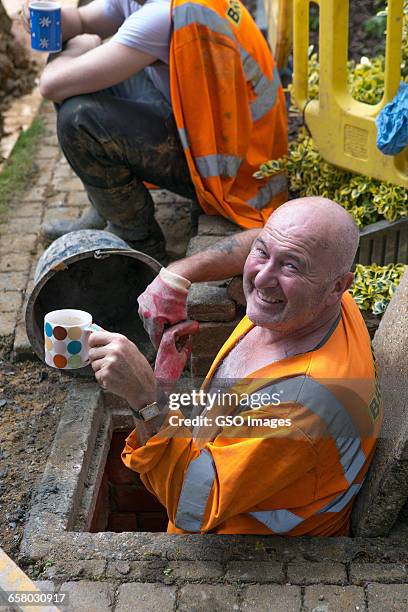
(342, 128)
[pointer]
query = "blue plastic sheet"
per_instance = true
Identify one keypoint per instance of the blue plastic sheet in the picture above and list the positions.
(392, 124)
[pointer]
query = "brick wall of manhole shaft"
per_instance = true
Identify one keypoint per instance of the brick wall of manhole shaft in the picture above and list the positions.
(124, 503)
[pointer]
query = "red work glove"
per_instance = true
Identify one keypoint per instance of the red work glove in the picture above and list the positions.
(174, 350)
(164, 302)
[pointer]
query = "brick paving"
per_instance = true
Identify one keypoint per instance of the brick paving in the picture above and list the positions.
(20, 247)
(122, 586)
(240, 586)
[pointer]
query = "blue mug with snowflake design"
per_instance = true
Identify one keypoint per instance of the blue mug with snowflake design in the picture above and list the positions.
(45, 26)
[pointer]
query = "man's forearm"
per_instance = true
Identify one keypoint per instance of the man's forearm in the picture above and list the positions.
(71, 23)
(59, 79)
(223, 259)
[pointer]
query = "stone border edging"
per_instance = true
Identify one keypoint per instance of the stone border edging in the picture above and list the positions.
(58, 495)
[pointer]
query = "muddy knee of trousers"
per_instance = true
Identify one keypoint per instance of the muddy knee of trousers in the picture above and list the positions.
(74, 119)
(88, 145)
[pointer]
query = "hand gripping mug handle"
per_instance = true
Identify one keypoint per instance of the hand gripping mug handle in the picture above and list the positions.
(91, 328)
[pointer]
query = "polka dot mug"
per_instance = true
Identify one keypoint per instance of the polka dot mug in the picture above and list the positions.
(66, 335)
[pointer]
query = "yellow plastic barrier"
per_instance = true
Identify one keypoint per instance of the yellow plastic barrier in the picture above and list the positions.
(344, 129)
(279, 28)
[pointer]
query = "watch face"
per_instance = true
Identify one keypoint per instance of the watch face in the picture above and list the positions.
(150, 411)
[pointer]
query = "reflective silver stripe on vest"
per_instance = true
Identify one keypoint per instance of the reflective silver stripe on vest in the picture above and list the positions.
(266, 90)
(279, 521)
(318, 399)
(217, 165)
(352, 458)
(183, 138)
(190, 13)
(341, 501)
(276, 184)
(282, 521)
(194, 493)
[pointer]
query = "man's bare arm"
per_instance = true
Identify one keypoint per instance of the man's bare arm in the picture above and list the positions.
(164, 302)
(86, 66)
(223, 259)
(95, 21)
(89, 19)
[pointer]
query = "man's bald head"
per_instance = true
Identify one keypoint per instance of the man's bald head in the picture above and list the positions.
(299, 266)
(327, 225)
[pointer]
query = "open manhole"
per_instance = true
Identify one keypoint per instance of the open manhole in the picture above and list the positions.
(123, 502)
(109, 496)
(87, 501)
(89, 506)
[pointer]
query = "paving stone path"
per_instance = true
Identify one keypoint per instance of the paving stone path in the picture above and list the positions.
(123, 586)
(55, 190)
(243, 586)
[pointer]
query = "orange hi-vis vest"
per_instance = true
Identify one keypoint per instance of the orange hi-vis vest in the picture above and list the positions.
(229, 108)
(296, 477)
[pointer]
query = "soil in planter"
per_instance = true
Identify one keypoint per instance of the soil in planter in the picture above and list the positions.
(31, 396)
(17, 71)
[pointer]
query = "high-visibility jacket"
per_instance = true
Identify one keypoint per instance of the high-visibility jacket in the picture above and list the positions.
(229, 108)
(294, 480)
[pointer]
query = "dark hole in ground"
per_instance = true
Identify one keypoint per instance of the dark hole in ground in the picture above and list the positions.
(107, 288)
(124, 503)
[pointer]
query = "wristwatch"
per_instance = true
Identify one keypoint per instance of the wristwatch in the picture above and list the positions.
(147, 413)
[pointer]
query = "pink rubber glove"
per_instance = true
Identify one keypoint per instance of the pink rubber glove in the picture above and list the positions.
(164, 302)
(174, 350)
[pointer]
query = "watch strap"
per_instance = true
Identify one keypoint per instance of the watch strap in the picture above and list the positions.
(147, 412)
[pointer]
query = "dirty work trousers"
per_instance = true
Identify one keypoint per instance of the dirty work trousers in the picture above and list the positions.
(114, 140)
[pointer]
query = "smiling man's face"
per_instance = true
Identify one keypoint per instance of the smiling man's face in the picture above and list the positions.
(286, 280)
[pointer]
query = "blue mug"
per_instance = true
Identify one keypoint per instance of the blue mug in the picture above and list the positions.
(45, 26)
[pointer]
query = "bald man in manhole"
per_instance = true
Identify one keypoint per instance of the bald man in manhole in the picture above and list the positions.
(282, 432)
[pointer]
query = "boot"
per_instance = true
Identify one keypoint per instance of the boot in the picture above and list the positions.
(154, 245)
(90, 219)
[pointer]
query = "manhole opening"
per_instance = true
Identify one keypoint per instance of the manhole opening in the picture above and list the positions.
(123, 502)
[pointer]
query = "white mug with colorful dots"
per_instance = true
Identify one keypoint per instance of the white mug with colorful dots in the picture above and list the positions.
(66, 335)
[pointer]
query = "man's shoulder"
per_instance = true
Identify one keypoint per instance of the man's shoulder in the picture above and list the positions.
(131, 9)
(155, 13)
(154, 6)
(350, 308)
(354, 329)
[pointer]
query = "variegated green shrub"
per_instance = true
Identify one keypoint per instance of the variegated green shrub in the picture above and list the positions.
(368, 200)
(375, 285)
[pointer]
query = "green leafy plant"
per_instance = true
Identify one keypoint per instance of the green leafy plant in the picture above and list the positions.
(365, 79)
(368, 200)
(375, 26)
(374, 286)
(19, 170)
